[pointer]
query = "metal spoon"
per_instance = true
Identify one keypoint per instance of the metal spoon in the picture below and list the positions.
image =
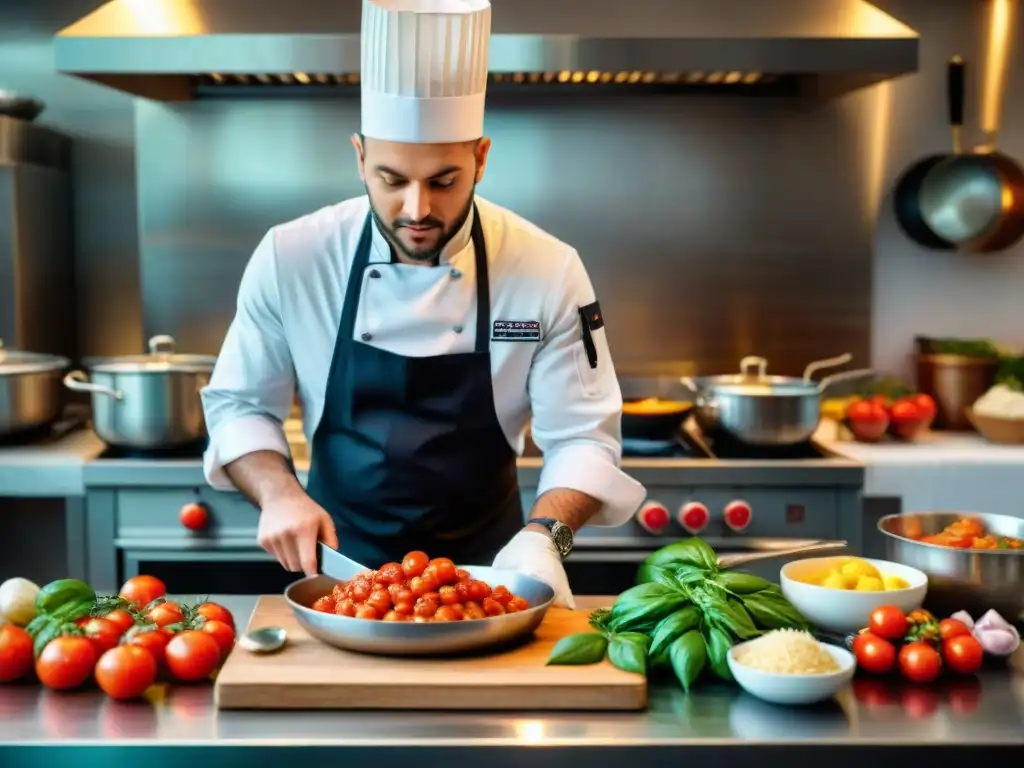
(263, 639)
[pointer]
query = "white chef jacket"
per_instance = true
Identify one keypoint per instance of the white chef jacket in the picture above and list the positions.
(286, 324)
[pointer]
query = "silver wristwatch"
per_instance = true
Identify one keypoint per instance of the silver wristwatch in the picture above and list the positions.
(560, 533)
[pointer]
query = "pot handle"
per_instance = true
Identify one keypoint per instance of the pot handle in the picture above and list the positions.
(832, 362)
(828, 381)
(753, 361)
(77, 381)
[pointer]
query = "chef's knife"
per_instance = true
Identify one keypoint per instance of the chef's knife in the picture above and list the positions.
(336, 565)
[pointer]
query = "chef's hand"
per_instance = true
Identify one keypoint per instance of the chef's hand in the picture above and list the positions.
(290, 529)
(534, 553)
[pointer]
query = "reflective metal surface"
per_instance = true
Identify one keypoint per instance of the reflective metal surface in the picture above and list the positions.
(960, 579)
(147, 402)
(164, 41)
(336, 565)
(29, 400)
(407, 638)
(968, 712)
(703, 256)
(763, 410)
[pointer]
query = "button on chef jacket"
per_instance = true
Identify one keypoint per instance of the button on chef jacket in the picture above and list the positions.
(286, 324)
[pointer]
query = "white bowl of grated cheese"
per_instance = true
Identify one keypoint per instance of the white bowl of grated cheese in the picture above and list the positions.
(790, 667)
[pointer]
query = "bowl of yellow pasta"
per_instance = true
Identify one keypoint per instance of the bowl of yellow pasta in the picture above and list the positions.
(838, 594)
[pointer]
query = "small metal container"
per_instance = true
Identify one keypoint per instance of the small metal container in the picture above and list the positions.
(147, 402)
(954, 382)
(973, 580)
(30, 391)
(407, 638)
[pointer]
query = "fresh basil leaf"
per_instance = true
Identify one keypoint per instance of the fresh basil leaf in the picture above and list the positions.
(689, 552)
(732, 616)
(628, 651)
(671, 628)
(770, 610)
(640, 608)
(719, 642)
(740, 583)
(583, 648)
(688, 654)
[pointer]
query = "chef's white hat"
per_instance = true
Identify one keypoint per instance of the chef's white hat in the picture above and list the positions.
(424, 69)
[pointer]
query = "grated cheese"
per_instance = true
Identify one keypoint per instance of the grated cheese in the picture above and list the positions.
(787, 652)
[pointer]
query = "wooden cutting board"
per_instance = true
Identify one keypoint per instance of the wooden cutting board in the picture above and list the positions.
(308, 674)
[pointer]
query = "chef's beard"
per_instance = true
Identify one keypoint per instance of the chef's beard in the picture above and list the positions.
(433, 255)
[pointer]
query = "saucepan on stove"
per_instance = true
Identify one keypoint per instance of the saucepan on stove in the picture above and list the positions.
(30, 392)
(147, 402)
(757, 409)
(654, 407)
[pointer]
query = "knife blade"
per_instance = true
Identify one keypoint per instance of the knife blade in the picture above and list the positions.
(336, 565)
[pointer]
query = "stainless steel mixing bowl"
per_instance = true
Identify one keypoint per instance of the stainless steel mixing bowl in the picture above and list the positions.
(973, 580)
(406, 638)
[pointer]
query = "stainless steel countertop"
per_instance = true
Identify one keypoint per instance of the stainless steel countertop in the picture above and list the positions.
(986, 711)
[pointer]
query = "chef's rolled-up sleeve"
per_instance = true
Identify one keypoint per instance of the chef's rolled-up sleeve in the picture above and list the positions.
(253, 383)
(577, 406)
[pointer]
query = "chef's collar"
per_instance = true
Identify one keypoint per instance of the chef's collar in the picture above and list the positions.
(383, 251)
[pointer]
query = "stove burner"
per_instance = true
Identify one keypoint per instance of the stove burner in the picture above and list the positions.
(657, 449)
(695, 445)
(185, 452)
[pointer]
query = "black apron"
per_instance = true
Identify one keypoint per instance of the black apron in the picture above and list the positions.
(409, 453)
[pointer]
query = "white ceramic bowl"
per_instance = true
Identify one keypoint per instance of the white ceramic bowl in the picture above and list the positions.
(793, 689)
(843, 610)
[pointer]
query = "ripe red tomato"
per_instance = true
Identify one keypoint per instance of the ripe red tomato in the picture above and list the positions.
(906, 418)
(390, 573)
(194, 516)
(122, 619)
(952, 628)
(104, 634)
(919, 662)
(192, 655)
(216, 612)
(867, 420)
(16, 656)
(153, 640)
(66, 662)
(140, 591)
(889, 622)
(414, 563)
(926, 407)
(125, 672)
(223, 633)
(165, 614)
(444, 570)
(874, 654)
(963, 654)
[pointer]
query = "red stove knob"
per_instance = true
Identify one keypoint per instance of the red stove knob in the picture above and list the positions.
(194, 516)
(653, 517)
(737, 515)
(693, 517)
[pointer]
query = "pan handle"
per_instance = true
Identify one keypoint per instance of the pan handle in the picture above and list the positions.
(828, 381)
(832, 362)
(753, 361)
(1003, 21)
(955, 100)
(733, 561)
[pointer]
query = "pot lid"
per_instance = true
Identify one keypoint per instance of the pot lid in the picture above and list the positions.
(16, 361)
(753, 380)
(161, 359)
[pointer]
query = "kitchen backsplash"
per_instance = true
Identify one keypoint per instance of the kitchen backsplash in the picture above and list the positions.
(712, 227)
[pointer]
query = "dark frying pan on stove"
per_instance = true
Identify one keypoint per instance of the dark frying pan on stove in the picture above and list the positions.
(653, 419)
(655, 406)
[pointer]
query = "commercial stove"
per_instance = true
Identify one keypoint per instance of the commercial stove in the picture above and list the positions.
(142, 515)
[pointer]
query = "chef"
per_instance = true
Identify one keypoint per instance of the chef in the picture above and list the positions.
(423, 328)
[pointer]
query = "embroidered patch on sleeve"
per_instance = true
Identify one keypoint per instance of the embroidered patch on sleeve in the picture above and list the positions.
(515, 330)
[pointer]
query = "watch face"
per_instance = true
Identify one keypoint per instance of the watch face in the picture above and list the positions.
(562, 536)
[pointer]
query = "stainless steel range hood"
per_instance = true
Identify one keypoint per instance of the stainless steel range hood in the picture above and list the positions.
(177, 49)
